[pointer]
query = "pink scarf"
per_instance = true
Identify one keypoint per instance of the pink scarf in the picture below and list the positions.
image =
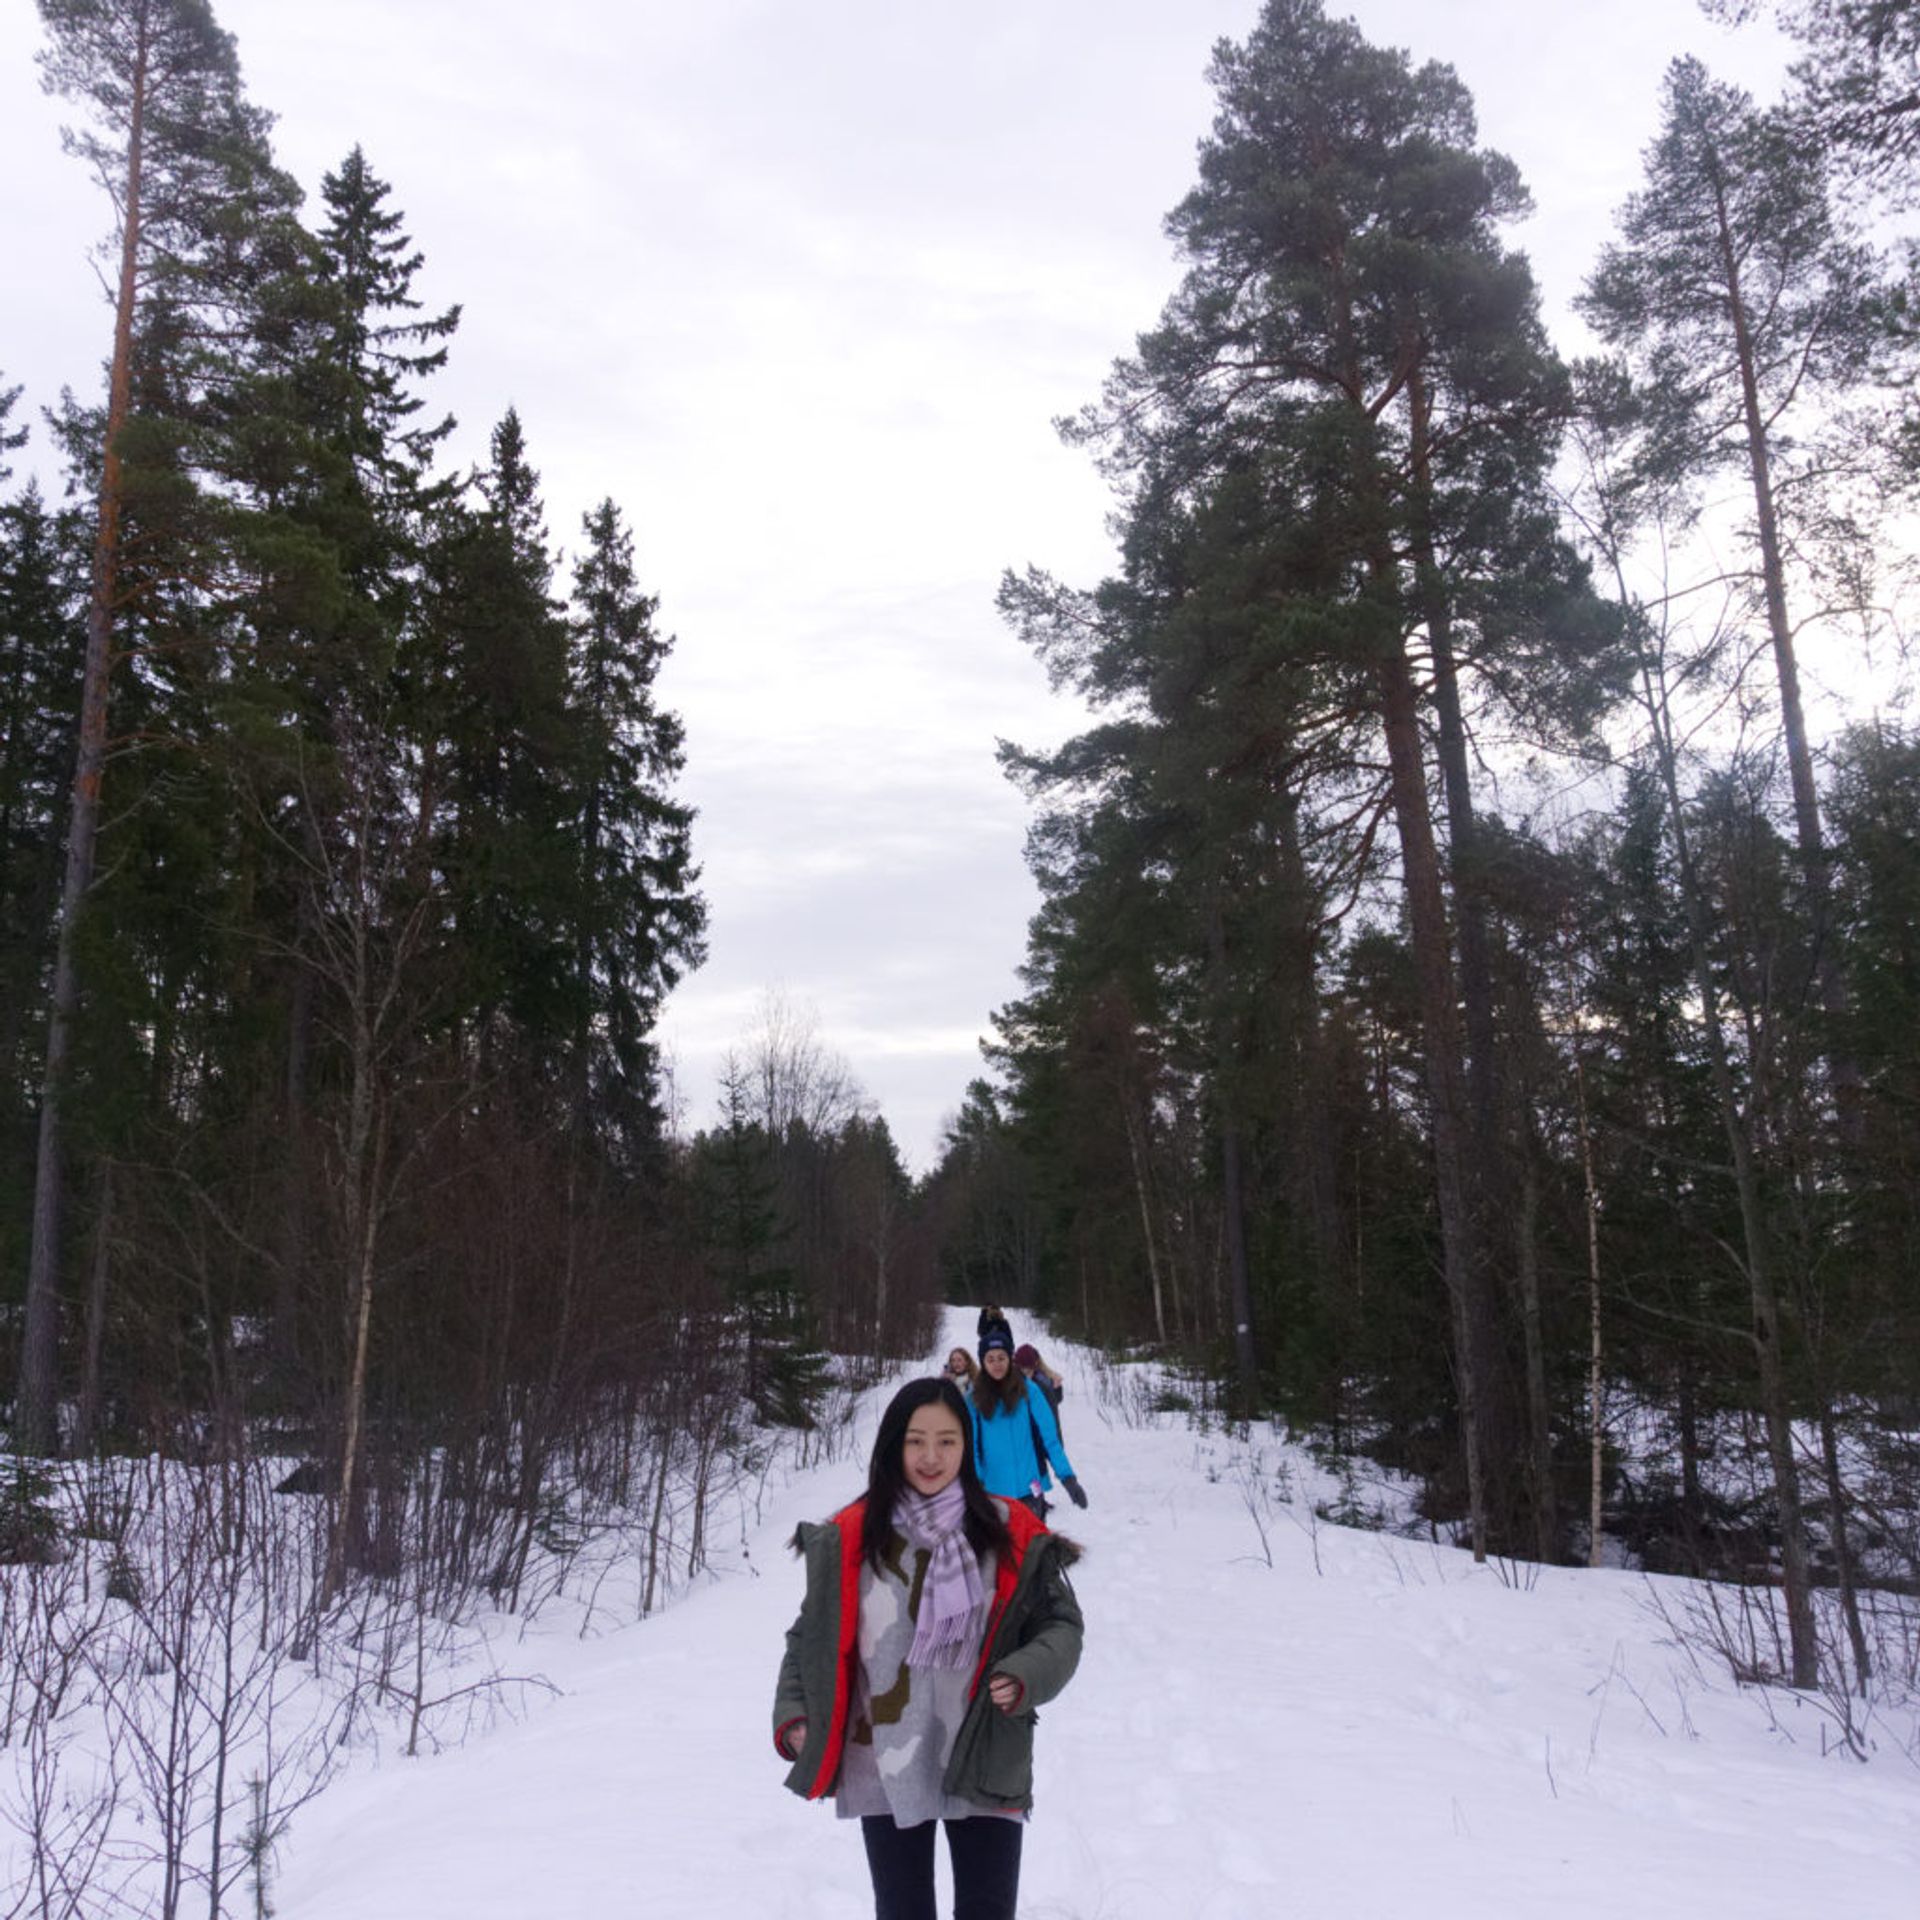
(953, 1598)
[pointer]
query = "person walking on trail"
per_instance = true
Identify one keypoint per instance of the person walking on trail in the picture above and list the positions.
(1039, 1374)
(991, 1317)
(962, 1369)
(1015, 1433)
(936, 1620)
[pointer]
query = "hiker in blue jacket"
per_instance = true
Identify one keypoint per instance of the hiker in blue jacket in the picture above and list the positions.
(1015, 1436)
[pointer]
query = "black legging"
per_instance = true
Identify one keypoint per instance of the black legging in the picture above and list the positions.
(986, 1867)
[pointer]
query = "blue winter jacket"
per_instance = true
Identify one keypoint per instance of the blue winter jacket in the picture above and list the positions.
(1003, 1449)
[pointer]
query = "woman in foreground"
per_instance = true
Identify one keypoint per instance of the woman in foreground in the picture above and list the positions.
(936, 1620)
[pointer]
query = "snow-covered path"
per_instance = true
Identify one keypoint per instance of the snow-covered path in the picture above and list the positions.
(1392, 1732)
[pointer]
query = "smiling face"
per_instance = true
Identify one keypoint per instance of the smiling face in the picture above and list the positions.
(998, 1362)
(958, 1362)
(933, 1448)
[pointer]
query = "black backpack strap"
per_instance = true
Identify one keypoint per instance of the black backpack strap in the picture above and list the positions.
(1039, 1445)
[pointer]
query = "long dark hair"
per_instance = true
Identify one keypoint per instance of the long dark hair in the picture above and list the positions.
(990, 1395)
(887, 1477)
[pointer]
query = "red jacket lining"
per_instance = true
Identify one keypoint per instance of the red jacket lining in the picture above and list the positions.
(1023, 1528)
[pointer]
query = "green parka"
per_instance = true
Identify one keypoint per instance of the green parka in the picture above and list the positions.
(1033, 1632)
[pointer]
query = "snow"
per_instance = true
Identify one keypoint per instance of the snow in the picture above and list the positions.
(1367, 1726)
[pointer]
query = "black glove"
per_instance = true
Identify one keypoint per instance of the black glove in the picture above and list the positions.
(1075, 1491)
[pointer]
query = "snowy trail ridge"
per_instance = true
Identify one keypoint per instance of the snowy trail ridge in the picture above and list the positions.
(1366, 1727)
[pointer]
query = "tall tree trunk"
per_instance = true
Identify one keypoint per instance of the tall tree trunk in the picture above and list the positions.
(1311, 1099)
(1596, 1351)
(363, 1179)
(1171, 1221)
(36, 1404)
(288, 1292)
(1446, 1090)
(1446, 1093)
(1469, 912)
(1763, 1295)
(1829, 973)
(1845, 1575)
(1486, 1167)
(1539, 1414)
(583, 966)
(87, 1419)
(1246, 1354)
(1432, 953)
(353, 1424)
(1686, 1415)
(1146, 1220)
(1233, 1205)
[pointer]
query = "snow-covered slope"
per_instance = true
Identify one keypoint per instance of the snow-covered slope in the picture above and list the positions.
(1365, 1727)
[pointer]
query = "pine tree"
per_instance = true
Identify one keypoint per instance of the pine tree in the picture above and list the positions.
(1177, 933)
(1742, 304)
(1857, 86)
(185, 161)
(1353, 338)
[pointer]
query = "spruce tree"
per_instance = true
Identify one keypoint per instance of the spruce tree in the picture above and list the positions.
(341, 575)
(483, 676)
(637, 916)
(1875, 807)
(746, 1241)
(42, 641)
(379, 345)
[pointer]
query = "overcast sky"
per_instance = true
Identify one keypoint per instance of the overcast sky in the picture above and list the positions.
(802, 286)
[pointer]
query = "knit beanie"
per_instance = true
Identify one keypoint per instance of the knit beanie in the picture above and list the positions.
(995, 1337)
(1027, 1359)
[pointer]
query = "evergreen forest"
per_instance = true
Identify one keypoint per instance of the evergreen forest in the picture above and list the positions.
(1473, 1013)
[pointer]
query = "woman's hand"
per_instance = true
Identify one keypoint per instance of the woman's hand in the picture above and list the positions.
(793, 1736)
(1006, 1691)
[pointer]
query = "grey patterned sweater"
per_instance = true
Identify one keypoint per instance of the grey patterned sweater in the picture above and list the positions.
(904, 1719)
